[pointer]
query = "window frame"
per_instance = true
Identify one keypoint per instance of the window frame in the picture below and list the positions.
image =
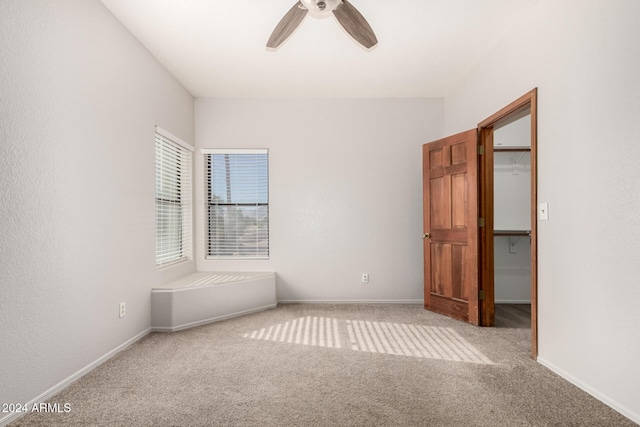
(207, 153)
(181, 196)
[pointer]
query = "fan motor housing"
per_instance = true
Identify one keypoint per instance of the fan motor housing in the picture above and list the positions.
(320, 7)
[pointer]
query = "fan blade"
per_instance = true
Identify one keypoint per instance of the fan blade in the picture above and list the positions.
(355, 24)
(287, 25)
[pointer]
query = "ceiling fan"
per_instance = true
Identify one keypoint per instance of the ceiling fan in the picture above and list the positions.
(347, 15)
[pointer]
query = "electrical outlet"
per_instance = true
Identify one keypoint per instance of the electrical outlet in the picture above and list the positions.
(123, 309)
(365, 277)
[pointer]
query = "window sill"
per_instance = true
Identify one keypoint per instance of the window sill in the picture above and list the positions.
(171, 263)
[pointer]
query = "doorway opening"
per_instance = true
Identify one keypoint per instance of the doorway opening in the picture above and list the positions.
(508, 201)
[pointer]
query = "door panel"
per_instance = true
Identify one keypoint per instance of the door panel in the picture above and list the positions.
(450, 186)
(458, 208)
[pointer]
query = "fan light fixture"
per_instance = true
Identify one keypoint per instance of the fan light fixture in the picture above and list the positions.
(320, 7)
(348, 17)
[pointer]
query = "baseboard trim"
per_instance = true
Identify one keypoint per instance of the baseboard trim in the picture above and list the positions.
(512, 301)
(633, 416)
(351, 301)
(211, 319)
(74, 377)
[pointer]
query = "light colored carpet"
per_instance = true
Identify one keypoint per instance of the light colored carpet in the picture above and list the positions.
(331, 365)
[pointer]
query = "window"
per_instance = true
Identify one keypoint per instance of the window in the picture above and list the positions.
(237, 203)
(173, 199)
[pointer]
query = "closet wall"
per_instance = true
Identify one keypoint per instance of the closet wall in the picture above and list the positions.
(512, 213)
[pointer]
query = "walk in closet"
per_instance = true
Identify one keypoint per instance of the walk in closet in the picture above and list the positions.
(512, 210)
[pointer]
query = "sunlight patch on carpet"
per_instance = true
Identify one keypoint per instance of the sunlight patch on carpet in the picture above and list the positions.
(399, 339)
(412, 340)
(316, 331)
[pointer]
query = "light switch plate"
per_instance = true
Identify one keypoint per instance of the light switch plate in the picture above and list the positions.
(543, 211)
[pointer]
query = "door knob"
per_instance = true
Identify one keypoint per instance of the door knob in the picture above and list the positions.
(426, 236)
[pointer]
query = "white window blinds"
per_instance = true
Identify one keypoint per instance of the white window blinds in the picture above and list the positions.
(173, 199)
(237, 203)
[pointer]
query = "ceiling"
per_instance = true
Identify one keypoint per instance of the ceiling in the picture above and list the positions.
(216, 48)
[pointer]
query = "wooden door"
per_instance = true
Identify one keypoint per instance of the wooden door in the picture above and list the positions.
(450, 186)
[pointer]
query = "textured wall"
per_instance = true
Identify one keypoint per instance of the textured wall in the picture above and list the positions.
(79, 101)
(584, 57)
(345, 190)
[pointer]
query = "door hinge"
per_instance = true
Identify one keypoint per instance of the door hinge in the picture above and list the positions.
(480, 150)
(480, 222)
(481, 295)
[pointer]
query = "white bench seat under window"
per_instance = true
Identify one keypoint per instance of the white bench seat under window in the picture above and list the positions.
(208, 297)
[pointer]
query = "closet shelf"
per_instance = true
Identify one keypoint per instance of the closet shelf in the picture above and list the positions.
(505, 148)
(512, 233)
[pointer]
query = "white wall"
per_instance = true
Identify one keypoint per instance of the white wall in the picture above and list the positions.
(512, 176)
(584, 57)
(512, 190)
(512, 269)
(345, 191)
(79, 101)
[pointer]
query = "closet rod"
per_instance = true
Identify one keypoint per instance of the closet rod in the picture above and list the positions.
(499, 148)
(511, 233)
